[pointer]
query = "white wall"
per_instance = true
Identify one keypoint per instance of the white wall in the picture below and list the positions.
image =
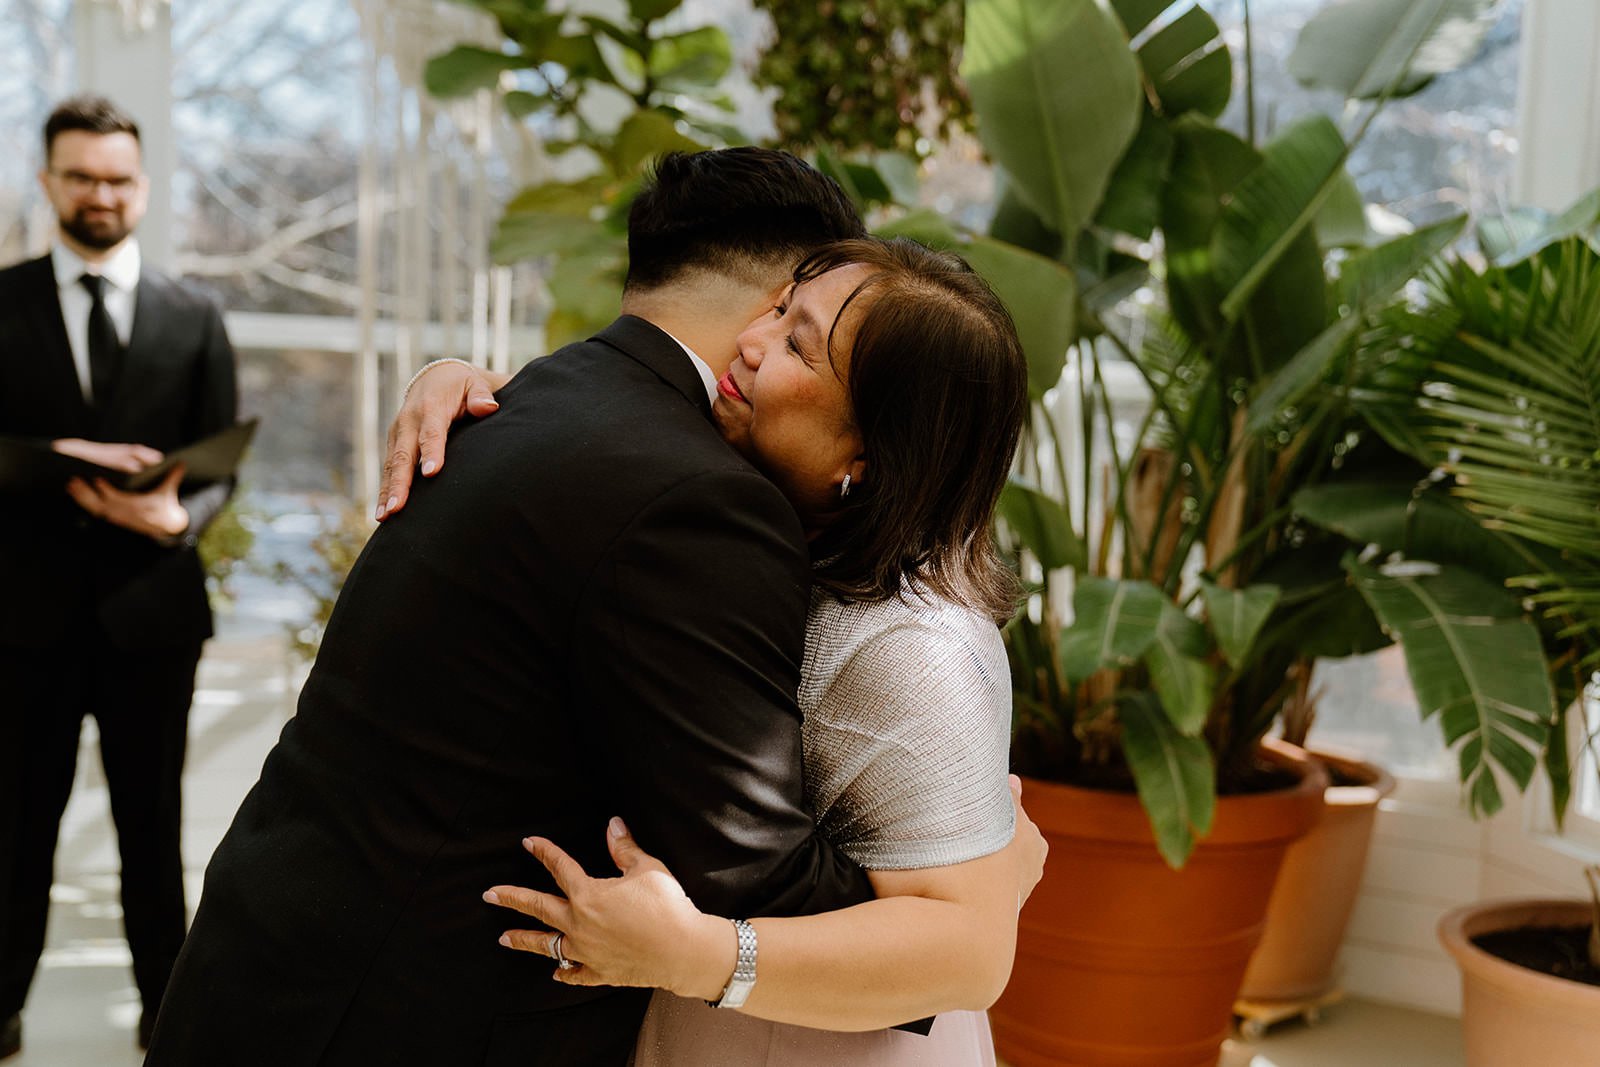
(1427, 857)
(1559, 103)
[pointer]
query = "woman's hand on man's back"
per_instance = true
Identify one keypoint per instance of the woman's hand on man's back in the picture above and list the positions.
(442, 393)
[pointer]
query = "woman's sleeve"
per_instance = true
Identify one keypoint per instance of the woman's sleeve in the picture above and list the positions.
(908, 749)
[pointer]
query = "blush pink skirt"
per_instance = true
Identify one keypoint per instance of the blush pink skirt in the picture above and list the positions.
(688, 1033)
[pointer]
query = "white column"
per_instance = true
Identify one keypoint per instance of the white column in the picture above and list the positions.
(1558, 103)
(133, 66)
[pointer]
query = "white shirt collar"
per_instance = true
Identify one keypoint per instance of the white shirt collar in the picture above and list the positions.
(708, 379)
(121, 270)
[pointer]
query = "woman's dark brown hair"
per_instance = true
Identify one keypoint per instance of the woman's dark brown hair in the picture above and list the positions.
(938, 384)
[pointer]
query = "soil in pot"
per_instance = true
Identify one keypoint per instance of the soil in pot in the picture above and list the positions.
(1560, 951)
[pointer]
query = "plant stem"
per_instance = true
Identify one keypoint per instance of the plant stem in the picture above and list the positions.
(1249, 78)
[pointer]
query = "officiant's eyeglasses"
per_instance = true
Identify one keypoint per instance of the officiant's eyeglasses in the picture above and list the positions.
(79, 184)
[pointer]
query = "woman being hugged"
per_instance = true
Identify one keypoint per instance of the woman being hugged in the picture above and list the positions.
(885, 395)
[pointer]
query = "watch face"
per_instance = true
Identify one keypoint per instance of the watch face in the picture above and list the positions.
(737, 993)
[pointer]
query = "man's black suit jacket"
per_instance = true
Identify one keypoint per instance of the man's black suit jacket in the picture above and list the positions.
(598, 610)
(176, 386)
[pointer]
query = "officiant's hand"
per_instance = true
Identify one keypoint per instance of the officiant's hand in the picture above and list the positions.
(119, 457)
(154, 513)
(443, 393)
(637, 930)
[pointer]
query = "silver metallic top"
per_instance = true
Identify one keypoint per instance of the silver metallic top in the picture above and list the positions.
(907, 732)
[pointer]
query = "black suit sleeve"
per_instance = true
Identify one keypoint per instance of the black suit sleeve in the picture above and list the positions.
(214, 408)
(686, 657)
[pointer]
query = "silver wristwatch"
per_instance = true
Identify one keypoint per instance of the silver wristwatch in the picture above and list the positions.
(738, 988)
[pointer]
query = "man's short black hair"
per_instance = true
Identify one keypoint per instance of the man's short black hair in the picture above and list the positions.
(94, 114)
(744, 213)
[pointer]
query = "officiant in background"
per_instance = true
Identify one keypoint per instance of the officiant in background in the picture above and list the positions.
(103, 607)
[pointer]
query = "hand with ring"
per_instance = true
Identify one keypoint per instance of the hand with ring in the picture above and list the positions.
(637, 930)
(562, 963)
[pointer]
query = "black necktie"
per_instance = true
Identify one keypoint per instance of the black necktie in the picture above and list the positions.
(105, 350)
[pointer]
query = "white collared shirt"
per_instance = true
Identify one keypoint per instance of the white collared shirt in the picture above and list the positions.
(121, 273)
(701, 367)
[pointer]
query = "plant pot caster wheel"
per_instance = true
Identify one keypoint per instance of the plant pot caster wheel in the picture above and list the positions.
(1256, 1017)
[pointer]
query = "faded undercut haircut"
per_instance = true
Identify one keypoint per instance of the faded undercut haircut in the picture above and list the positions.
(747, 214)
(92, 114)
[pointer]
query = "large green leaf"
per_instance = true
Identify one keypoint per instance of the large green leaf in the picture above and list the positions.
(1475, 661)
(1342, 220)
(1272, 207)
(1582, 218)
(1174, 775)
(650, 10)
(556, 218)
(1367, 513)
(1182, 680)
(1043, 524)
(1188, 66)
(1135, 15)
(1207, 163)
(1114, 622)
(1362, 48)
(1373, 276)
(586, 290)
(1057, 97)
(1133, 199)
(698, 58)
(1042, 296)
(580, 56)
(646, 135)
(1237, 616)
(1368, 279)
(925, 225)
(467, 68)
(1320, 613)
(1016, 223)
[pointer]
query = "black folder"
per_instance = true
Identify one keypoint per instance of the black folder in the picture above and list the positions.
(32, 466)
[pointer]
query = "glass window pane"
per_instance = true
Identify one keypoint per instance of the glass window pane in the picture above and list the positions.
(36, 71)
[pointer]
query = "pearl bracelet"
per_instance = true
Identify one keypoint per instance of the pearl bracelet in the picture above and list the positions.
(426, 367)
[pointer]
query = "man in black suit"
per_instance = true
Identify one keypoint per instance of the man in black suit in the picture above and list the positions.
(105, 603)
(601, 614)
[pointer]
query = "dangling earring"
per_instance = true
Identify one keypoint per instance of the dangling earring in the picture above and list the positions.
(844, 487)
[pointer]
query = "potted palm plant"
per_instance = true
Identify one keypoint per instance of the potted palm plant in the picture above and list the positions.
(1181, 585)
(1496, 376)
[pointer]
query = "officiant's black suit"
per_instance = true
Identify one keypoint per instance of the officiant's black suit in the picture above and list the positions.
(597, 610)
(97, 620)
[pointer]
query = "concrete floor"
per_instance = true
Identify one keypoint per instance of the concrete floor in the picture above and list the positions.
(83, 1009)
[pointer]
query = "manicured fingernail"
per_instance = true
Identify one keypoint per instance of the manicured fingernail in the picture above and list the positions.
(428, 467)
(378, 514)
(617, 827)
(492, 402)
(527, 842)
(505, 939)
(491, 897)
(393, 503)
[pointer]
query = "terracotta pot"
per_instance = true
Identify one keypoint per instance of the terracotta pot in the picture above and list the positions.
(1124, 962)
(1317, 889)
(1511, 1015)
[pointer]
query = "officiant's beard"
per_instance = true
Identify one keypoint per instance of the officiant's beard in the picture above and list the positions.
(99, 231)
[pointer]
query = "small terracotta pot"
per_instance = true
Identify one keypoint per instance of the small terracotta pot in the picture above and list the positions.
(1511, 1015)
(1124, 962)
(1317, 889)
